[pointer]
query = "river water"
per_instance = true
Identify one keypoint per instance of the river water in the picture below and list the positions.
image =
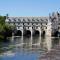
(27, 48)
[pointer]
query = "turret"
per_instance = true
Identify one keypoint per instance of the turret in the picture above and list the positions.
(6, 16)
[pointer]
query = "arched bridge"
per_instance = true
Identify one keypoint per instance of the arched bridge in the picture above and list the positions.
(29, 25)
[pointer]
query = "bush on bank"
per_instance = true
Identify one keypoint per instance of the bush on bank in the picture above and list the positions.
(5, 29)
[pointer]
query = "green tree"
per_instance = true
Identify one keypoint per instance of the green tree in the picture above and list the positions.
(2, 19)
(5, 29)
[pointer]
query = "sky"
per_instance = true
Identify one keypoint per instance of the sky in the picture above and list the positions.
(29, 7)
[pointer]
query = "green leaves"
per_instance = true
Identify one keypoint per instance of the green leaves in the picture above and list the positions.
(2, 19)
(4, 26)
(5, 29)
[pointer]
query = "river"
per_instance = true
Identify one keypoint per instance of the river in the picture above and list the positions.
(27, 48)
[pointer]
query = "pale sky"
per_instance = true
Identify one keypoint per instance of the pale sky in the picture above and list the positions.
(29, 7)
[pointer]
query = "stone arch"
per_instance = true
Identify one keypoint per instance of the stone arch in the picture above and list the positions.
(27, 33)
(56, 33)
(36, 33)
(18, 33)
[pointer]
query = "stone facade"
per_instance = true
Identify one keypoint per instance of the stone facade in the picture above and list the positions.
(55, 22)
(47, 24)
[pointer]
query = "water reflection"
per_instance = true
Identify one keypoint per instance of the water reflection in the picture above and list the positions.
(48, 43)
(28, 45)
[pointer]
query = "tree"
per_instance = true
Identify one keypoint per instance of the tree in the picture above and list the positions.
(5, 29)
(2, 19)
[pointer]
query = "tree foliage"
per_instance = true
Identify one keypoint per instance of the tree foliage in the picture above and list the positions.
(2, 20)
(5, 29)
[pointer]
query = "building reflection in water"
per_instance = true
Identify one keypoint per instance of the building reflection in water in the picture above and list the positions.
(48, 42)
(29, 44)
(36, 42)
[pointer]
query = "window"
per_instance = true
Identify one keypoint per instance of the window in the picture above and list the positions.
(38, 20)
(18, 27)
(41, 20)
(46, 23)
(23, 27)
(18, 23)
(36, 27)
(28, 27)
(36, 23)
(46, 19)
(19, 20)
(41, 27)
(32, 23)
(58, 27)
(29, 20)
(23, 23)
(15, 20)
(59, 23)
(28, 23)
(14, 23)
(33, 20)
(58, 14)
(46, 27)
(24, 20)
(9, 20)
(41, 23)
(32, 27)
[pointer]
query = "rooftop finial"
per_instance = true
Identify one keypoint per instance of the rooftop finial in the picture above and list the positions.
(6, 16)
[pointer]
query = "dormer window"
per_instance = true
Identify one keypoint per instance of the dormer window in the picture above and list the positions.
(29, 20)
(33, 20)
(37, 20)
(18, 23)
(9, 20)
(19, 20)
(15, 20)
(24, 20)
(41, 19)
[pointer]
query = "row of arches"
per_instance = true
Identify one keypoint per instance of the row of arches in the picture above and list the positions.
(28, 33)
(35, 33)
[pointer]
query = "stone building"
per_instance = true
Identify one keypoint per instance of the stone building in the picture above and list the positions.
(31, 25)
(55, 23)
